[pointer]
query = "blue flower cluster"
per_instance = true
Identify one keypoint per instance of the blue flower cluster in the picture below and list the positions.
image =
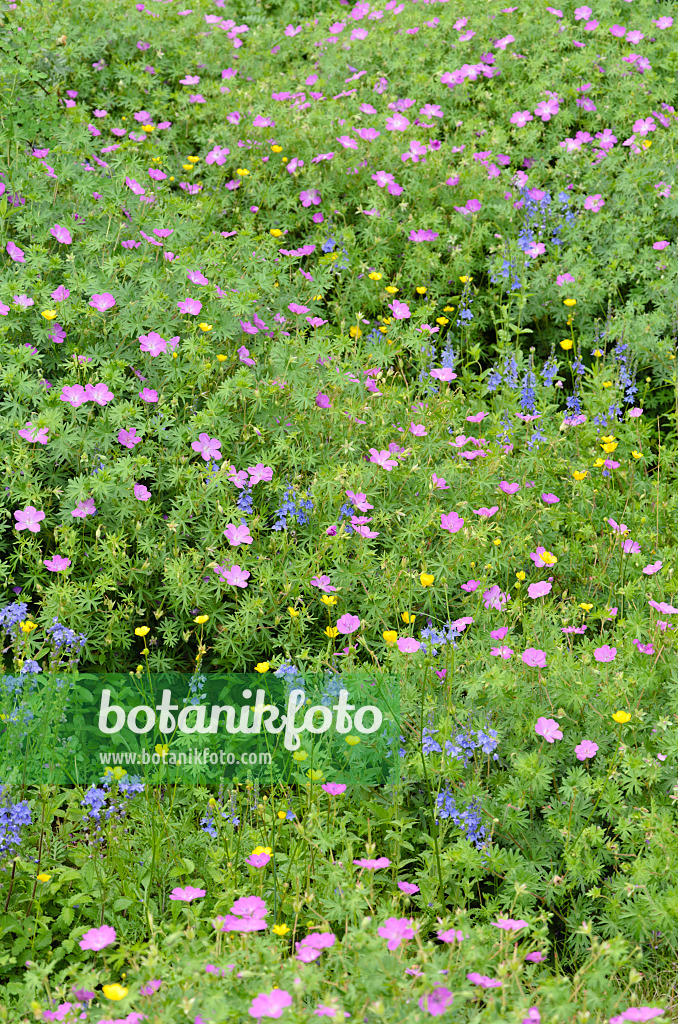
(244, 503)
(62, 636)
(293, 507)
(432, 635)
(12, 818)
(463, 745)
(468, 819)
(11, 615)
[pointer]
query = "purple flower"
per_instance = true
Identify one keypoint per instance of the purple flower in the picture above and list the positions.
(15, 253)
(495, 598)
(400, 310)
(521, 117)
(508, 924)
(605, 653)
(383, 459)
(102, 302)
(323, 583)
(334, 788)
(348, 624)
(631, 547)
(535, 958)
(652, 568)
(244, 356)
(148, 395)
(422, 235)
(98, 938)
(36, 435)
(550, 499)
(639, 1014)
(534, 658)
(98, 393)
(451, 522)
(586, 749)
(152, 343)
(62, 235)
(408, 645)
(322, 401)
(141, 493)
(502, 652)
(508, 488)
(437, 1002)
(451, 935)
(372, 864)
(310, 197)
(548, 728)
(208, 447)
(84, 508)
(187, 893)
(396, 930)
(236, 535)
(60, 293)
(483, 980)
(235, 576)
(409, 888)
(28, 519)
(151, 988)
(190, 307)
(470, 586)
(56, 563)
(487, 513)
(271, 1004)
(128, 438)
(195, 277)
(540, 589)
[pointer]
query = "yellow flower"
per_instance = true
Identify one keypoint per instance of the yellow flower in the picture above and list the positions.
(276, 149)
(566, 344)
(317, 298)
(276, 232)
(49, 314)
(201, 619)
(426, 579)
(282, 815)
(115, 992)
(548, 558)
(193, 159)
(329, 599)
(585, 607)
(171, 178)
(610, 447)
(496, 542)
(28, 626)
(570, 302)
(421, 290)
(314, 774)
(299, 755)
(331, 631)
(407, 617)
(606, 438)
(142, 630)
(294, 614)
(391, 289)
(597, 353)
(44, 878)
(222, 358)
(355, 332)
(261, 849)
(390, 636)
(262, 667)
(465, 278)
(520, 575)
(442, 320)
(353, 740)
(162, 749)
(622, 717)
(187, 167)
(580, 474)
(646, 143)
(205, 327)
(637, 455)
(607, 383)
(242, 171)
(116, 772)
(280, 929)
(148, 127)
(374, 276)
(599, 463)
(448, 309)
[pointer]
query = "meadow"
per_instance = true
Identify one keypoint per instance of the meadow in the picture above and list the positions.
(338, 349)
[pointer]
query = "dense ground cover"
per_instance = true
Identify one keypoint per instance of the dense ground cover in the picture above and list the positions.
(338, 341)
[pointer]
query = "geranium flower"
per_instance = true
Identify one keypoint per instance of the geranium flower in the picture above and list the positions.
(28, 518)
(548, 728)
(187, 893)
(271, 1004)
(483, 981)
(84, 508)
(62, 235)
(98, 938)
(508, 924)
(372, 864)
(605, 653)
(102, 302)
(236, 535)
(56, 563)
(141, 493)
(586, 749)
(451, 522)
(540, 589)
(207, 446)
(534, 658)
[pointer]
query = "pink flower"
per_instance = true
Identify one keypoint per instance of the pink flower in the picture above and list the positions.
(323, 583)
(502, 652)
(128, 438)
(437, 1002)
(494, 598)
(418, 429)
(190, 307)
(271, 1004)
(507, 924)
(408, 645)
(550, 499)
(151, 988)
(258, 860)
(84, 508)
(98, 938)
(310, 948)
(383, 459)
(451, 935)
(639, 1013)
(207, 446)
(236, 535)
(534, 658)
(540, 589)
(594, 203)
(586, 749)
(521, 117)
(323, 401)
(102, 302)
(486, 513)
(294, 307)
(652, 568)
(548, 728)
(605, 653)
(547, 109)
(348, 624)
(141, 493)
(535, 958)
(444, 374)
(631, 547)
(28, 519)
(334, 788)
(423, 235)
(508, 488)
(235, 576)
(36, 435)
(660, 245)
(483, 980)
(148, 395)
(98, 393)
(659, 606)
(439, 483)
(400, 310)
(62, 235)
(372, 864)
(56, 563)
(451, 522)
(476, 417)
(470, 586)
(187, 893)
(409, 888)
(60, 293)
(536, 557)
